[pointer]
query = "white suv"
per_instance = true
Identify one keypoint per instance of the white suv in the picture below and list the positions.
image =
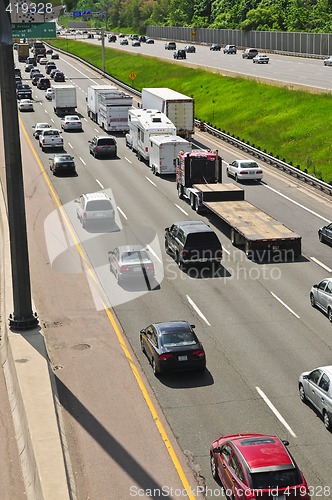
(95, 208)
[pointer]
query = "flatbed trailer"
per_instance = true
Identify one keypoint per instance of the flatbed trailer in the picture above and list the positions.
(249, 226)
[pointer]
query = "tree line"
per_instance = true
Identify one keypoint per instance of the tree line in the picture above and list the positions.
(259, 15)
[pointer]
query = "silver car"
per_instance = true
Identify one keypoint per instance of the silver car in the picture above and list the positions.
(131, 261)
(95, 208)
(328, 61)
(71, 122)
(321, 296)
(39, 127)
(244, 170)
(315, 387)
(261, 59)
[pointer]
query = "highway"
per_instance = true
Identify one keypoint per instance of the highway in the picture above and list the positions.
(286, 70)
(255, 320)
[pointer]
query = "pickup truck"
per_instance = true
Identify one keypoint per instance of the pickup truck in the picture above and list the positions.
(50, 138)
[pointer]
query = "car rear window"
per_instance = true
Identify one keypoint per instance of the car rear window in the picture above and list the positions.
(138, 255)
(97, 205)
(276, 479)
(106, 142)
(51, 132)
(178, 339)
(203, 240)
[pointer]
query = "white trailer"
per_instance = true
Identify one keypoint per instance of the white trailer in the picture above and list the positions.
(164, 150)
(144, 123)
(108, 106)
(64, 99)
(178, 107)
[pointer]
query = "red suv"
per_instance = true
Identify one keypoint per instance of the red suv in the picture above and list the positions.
(256, 466)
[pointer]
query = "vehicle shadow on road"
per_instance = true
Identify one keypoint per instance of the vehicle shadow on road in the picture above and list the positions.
(186, 380)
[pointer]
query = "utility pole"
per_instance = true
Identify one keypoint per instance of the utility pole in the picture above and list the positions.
(22, 317)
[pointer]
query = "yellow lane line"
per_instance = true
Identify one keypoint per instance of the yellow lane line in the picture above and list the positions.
(120, 337)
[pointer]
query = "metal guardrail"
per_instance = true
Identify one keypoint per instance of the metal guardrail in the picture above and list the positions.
(252, 150)
(268, 158)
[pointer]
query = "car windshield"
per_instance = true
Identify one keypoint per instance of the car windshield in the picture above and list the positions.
(276, 479)
(138, 255)
(178, 338)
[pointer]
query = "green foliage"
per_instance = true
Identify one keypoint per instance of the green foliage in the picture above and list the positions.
(285, 122)
(280, 15)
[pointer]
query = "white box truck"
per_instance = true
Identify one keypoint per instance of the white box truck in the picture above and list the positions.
(108, 106)
(178, 107)
(64, 99)
(164, 150)
(144, 123)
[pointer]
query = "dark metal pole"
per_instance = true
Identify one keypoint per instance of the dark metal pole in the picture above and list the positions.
(22, 317)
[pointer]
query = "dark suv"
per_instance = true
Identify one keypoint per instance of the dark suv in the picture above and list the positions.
(180, 54)
(193, 242)
(230, 49)
(103, 146)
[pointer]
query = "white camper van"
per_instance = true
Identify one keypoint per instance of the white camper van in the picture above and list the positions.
(144, 123)
(164, 150)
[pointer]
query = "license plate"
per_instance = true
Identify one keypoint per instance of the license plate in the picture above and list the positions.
(183, 358)
(137, 268)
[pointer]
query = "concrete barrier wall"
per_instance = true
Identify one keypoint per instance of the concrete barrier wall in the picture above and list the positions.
(299, 44)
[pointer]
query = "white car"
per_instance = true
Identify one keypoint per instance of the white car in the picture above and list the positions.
(39, 127)
(243, 170)
(43, 61)
(49, 94)
(50, 138)
(95, 208)
(71, 122)
(328, 61)
(315, 387)
(261, 59)
(321, 296)
(25, 105)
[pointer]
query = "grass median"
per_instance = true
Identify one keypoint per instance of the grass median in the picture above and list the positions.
(291, 124)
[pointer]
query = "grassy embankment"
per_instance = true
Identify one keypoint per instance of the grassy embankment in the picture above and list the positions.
(291, 124)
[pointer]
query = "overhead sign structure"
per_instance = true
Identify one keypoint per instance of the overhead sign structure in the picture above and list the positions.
(34, 30)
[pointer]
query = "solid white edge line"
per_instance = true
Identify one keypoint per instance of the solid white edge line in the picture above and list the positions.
(199, 312)
(183, 211)
(100, 184)
(153, 253)
(122, 213)
(275, 411)
(321, 264)
(127, 159)
(285, 305)
(147, 178)
(298, 204)
(82, 160)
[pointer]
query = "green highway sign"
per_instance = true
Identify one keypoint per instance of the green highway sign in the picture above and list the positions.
(34, 30)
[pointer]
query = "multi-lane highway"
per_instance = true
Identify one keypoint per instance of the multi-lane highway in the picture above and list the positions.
(255, 320)
(288, 70)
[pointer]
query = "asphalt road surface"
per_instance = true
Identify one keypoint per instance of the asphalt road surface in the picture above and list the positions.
(255, 320)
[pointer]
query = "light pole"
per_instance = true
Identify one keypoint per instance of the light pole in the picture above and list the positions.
(22, 317)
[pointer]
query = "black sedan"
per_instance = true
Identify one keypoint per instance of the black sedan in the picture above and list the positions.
(62, 163)
(55, 56)
(325, 234)
(215, 46)
(172, 346)
(59, 77)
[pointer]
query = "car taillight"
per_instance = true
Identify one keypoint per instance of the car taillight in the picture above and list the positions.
(244, 172)
(199, 353)
(184, 253)
(166, 356)
(96, 148)
(259, 171)
(124, 268)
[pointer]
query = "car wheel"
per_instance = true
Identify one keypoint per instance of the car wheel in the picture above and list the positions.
(142, 346)
(302, 394)
(321, 237)
(154, 367)
(236, 178)
(213, 467)
(312, 300)
(178, 260)
(329, 314)
(166, 247)
(180, 191)
(227, 172)
(326, 419)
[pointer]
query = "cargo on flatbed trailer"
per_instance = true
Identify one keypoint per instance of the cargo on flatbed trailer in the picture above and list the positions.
(261, 235)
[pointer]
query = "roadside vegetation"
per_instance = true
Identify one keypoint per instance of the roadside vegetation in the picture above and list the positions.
(291, 124)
